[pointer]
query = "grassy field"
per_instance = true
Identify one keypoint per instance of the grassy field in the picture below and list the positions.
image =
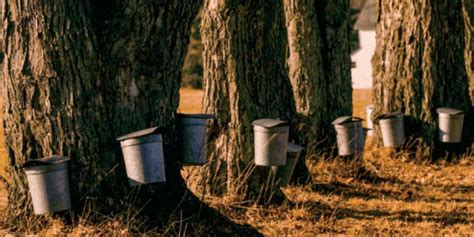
(387, 193)
(190, 100)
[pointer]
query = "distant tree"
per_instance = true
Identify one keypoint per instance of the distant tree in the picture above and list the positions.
(192, 68)
(78, 75)
(319, 38)
(419, 64)
(245, 79)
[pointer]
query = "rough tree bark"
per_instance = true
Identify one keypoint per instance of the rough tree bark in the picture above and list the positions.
(319, 67)
(78, 75)
(52, 105)
(245, 79)
(419, 62)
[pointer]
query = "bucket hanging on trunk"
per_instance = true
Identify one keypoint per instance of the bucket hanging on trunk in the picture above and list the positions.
(450, 124)
(192, 131)
(271, 142)
(48, 183)
(392, 128)
(143, 156)
(350, 135)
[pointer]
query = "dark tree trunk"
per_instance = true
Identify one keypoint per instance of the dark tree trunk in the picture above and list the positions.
(77, 76)
(469, 54)
(245, 79)
(319, 67)
(419, 62)
(52, 92)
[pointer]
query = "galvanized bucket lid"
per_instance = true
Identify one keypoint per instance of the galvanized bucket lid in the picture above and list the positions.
(269, 123)
(449, 111)
(151, 138)
(346, 119)
(137, 134)
(45, 164)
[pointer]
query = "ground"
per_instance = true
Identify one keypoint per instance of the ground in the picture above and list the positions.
(391, 196)
(386, 193)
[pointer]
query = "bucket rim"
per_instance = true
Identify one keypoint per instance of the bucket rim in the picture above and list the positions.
(390, 115)
(270, 123)
(449, 111)
(140, 133)
(152, 138)
(346, 119)
(45, 161)
(278, 129)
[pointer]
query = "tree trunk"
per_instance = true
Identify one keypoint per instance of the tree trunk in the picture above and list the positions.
(319, 67)
(77, 76)
(245, 79)
(469, 53)
(52, 98)
(419, 62)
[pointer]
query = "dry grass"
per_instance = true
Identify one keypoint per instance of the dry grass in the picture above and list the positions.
(383, 193)
(386, 193)
(126, 220)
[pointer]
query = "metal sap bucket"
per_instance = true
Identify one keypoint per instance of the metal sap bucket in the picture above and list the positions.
(143, 155)
(350, 135)
(284, 173)
(370, 125)
(48, 182)
(271, 142)
(450, 124)
(392, 128)
(192, 129)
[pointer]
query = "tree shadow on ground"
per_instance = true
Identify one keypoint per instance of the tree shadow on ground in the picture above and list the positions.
(458, 216)
(143, 212)
(408, 192)
(190, 214)
(217, 224)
